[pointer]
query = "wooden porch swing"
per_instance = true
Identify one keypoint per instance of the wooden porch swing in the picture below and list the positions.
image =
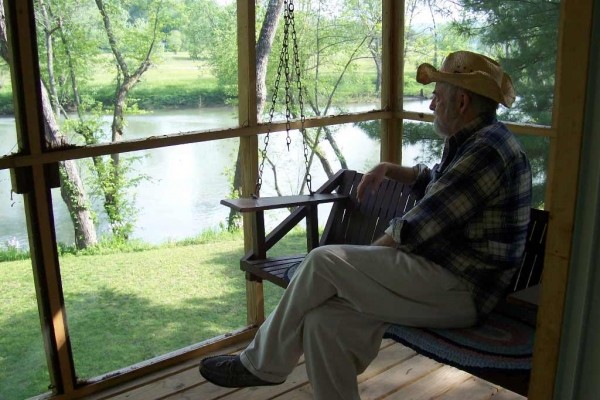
(500, 350)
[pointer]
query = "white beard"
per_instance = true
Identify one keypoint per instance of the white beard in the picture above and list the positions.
(439, 129)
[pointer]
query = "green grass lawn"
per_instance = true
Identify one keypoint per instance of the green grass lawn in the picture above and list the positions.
(175, 81)
(126, 307)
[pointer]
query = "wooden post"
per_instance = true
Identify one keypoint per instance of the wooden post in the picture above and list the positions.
(36, 193)
(246, 18)
(392, 80)
(568, 118)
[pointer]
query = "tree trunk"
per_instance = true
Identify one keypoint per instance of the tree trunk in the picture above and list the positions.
(338, 153)
(263, 49)
(410, 7)
(72, 76)
(49, 57)
(435, 34)
(324, 161)
(71, 188)
(75, 197)
(375, 50)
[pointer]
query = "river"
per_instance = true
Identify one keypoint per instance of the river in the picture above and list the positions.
(182, 196)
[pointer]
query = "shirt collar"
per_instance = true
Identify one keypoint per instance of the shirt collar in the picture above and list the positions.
(470, 128)
(454, 142)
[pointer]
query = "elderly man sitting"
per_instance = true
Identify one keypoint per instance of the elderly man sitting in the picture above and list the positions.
(445, 263)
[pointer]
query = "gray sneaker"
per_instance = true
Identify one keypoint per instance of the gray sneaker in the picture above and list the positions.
(228, 371)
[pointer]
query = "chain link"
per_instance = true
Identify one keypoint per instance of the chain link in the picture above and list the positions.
(284, 67)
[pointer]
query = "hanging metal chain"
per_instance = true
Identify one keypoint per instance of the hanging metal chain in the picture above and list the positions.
(307, 176)
(284, 67)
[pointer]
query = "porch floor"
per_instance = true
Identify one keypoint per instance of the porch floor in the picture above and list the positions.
(396, 373)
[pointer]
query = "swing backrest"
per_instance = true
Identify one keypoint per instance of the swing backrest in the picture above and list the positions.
(351, 222)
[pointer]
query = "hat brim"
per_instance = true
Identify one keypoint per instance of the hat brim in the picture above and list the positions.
(478, 82)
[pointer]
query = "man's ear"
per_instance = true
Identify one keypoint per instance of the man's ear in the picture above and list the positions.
(464, 101)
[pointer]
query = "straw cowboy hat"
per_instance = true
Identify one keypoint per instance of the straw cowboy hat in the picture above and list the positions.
(474, 72)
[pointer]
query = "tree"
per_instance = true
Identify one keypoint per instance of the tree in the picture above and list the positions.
(72, 190)
(134, 42)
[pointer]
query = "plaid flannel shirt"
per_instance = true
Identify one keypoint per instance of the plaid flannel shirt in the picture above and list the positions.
(475, 210)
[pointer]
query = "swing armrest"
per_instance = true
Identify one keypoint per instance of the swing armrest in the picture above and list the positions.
(259, 205)
(271, 203)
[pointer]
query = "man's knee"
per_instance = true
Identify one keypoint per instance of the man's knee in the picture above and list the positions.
(318, 258)
(320, 252)
(328, 254)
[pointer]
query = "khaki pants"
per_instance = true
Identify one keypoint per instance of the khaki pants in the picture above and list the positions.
(339, 304)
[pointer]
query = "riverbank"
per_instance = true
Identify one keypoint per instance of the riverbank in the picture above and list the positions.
(182, 82)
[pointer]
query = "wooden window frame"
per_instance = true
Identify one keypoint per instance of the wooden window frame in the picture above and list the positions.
(33, 162)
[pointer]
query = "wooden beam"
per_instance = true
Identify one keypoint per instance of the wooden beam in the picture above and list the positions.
(392, 79)
(518, 128)
(568, 118)
(77, 152)
(37, 196)
(246, 19)
(276, 128)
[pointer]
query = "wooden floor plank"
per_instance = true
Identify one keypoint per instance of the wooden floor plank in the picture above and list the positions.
(400, 375)
(203, 390)
(505, 394)
(431, 385)
(295, 380)
(302, 393)
(471, 389)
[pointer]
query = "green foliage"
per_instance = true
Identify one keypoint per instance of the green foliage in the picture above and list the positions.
(211, 33)
(6, 103)
(339, 50)
(10, 253)
(174, 41)
(197, 27)
(178, 96)
(76, 44)
(111, 183)
(114, 183)
(522, 35)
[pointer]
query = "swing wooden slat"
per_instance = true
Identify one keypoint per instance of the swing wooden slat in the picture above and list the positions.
(270, 203)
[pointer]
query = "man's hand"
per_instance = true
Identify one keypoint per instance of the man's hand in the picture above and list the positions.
(371, 180)
(385, 240)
